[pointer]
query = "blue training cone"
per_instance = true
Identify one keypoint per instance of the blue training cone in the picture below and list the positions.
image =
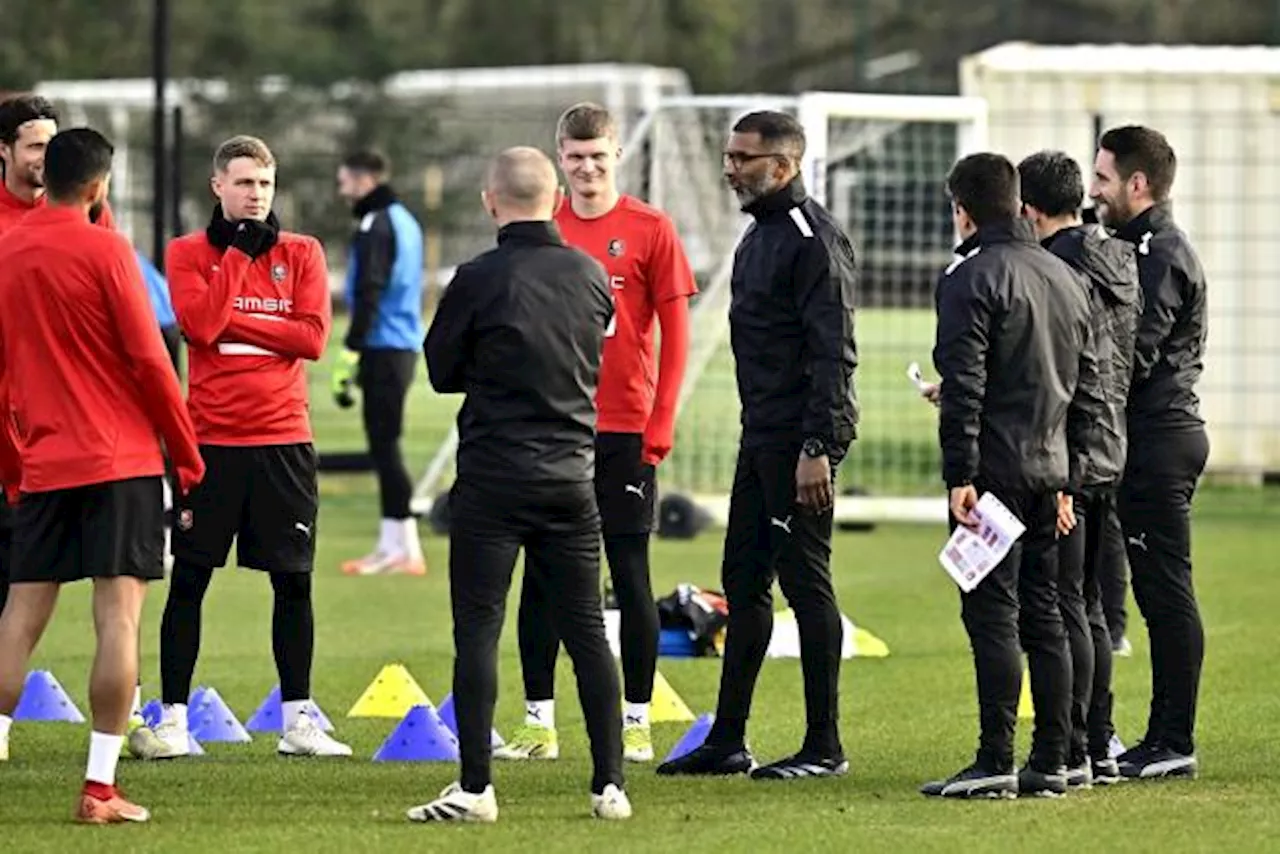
(212, 720)
(152, 713)
(420, 737)
(43, 699)
(269, 717)
(450, 719)
(693, 737)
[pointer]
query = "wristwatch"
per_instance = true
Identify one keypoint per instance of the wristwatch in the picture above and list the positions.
(814, 447)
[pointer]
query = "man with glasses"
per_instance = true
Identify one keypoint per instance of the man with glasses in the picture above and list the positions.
(791, 327)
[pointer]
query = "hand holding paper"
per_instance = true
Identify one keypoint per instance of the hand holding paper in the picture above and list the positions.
(971, 553)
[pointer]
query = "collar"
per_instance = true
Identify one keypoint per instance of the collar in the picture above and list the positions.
(221, 231)
(1016, 230)
(58, 214)
(1158, 217)
(379, 198)
(779, 201)
(531, 231)
(1065, 231)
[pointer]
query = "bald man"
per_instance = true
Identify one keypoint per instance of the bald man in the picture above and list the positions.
(519, 332)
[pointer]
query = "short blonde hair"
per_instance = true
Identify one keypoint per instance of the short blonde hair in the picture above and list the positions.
(242, 146)
(585, 121)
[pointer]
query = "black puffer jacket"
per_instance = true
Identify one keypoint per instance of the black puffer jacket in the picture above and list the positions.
(1111, 266)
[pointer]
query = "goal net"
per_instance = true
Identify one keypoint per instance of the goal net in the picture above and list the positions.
(878, 163)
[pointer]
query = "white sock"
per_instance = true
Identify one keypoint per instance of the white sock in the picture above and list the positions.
(137, 701)
(540, 713)
(176, 713)
(409, 542)
(635, 714)
(5, 723)
(292, 711)
(104, 753)
(388, 537)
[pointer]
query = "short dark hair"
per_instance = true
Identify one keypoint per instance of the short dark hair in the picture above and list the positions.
(986, 186)
(776, 129)
(1142, 149)
(369, 161)
(1052, 183)
(74, 159)
(586, 120)
(20, 109)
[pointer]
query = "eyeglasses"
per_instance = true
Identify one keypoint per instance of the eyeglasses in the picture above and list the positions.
(738, 159)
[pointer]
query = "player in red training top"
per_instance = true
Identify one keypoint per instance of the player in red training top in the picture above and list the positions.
(27, 123)
(253, 302)
(85, 387)
(650, 279)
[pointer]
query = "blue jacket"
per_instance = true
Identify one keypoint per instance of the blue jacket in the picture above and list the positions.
(384, 276)
(157, 292)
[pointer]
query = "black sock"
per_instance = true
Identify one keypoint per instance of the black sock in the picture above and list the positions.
(293, 633)
(180, 630)
(628, 556)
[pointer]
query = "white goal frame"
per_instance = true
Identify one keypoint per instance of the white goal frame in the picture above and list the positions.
(815, 110)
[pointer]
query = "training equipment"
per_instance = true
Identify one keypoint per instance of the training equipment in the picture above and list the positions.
(269, 717)
(878, 162)
(209, 718)
(855, 643)
(391, 694)
(1026, 709)
(693, 738)
(43, 699)
(666, 705)
(450, 719)
(420, 737)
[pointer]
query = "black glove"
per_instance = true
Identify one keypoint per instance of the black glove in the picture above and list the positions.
(253, 238)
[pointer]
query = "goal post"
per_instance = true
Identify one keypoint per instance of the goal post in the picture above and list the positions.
(878, 163)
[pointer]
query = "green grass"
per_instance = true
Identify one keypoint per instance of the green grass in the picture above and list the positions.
(905, 719)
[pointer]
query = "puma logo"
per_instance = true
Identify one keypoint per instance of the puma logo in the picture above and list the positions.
(784, 524)
(533, 712)
(1139, 541)
(633, 720)
(305, 529)
(636, 489)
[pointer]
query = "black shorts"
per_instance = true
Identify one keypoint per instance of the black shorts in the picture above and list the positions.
(105, 530)
(626, 489)
(265, 498)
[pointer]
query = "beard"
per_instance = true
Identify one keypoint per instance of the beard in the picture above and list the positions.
(751, 190)
(1115, 213)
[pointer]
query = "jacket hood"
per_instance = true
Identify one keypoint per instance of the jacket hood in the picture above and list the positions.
(1110, 263)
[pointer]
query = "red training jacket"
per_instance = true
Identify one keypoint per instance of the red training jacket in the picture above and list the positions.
(85, 380)
(250, 325)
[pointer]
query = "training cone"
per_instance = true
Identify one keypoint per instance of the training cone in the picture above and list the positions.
(666, 705)
(212, 720)
(1026, 709)
(152, 713)
(44, 700)
(693, 737)
(450, 719)
(269, 717)
(420, 737)
(391, 694)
